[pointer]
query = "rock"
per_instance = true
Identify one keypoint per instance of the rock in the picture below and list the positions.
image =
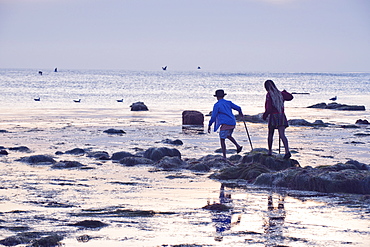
(351, 177)
(114, 131)
(132, 161)
(336, 106)
(302, 122)
(172, 142)
(299, 122)
(49, 241)
(319, 105)
(3, 152)
(23, 149)
(139, 106)
(171, 163)
(349, 126)
(253, 165)
(246, 171)
(158, 153)
(66, 164)
(208, 162)
(320, 123)
(121, 155)
(360, 121)
(38, 159)
(219, 207)
(199, 167)
(192, 118)
(251, 118)
(76, 151)
(99, 155)
(90, 224)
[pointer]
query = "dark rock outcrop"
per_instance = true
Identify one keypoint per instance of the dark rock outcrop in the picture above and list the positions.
(23, 149)
(132, 161)
(76, 151)
(336, 106)
(121, 155)
(172, 142)
(114, 131)
(302, 122)
(171, 163)
(157, 154)
(192, 118)
(360, 121)
(66, 164)
(99, 155)
(36, 238)
(139, 106)
(90, 224)
(38, 159)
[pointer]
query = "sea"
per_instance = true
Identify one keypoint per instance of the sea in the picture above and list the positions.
(168, 93)
(143, 206)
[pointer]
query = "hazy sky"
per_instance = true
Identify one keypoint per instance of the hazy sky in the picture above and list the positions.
(218, 35)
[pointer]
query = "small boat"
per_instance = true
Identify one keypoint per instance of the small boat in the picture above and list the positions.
(334, 98)
(38, 99)
(120, 100)
(77, 101)
(164, 68)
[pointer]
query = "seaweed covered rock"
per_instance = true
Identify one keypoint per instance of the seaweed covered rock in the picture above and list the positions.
(351, 177)
(157, 154)
(253, 165)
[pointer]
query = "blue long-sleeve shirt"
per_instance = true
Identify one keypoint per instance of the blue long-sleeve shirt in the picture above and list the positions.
(222, 113)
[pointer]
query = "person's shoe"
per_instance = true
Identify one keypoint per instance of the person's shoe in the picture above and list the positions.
(239, 149)
(287, 156)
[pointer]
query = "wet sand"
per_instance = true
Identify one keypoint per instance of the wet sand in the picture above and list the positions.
(42, 199)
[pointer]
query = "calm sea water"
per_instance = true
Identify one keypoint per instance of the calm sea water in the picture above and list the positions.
(168, 91)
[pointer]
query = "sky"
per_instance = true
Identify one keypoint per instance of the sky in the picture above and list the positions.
(217, 35)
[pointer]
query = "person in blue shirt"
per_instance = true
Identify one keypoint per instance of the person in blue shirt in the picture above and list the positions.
(223, 118)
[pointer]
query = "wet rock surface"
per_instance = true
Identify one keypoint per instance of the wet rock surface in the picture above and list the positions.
(336, 106)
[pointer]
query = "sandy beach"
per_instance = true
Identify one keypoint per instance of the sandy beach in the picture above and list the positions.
(41, 199)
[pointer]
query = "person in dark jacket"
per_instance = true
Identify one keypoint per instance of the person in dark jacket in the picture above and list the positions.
(274, 109)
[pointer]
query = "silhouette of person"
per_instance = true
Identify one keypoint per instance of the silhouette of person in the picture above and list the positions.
(223, 118)
(274, 109)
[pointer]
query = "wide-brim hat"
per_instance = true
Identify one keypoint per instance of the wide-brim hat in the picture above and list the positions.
(220, 93)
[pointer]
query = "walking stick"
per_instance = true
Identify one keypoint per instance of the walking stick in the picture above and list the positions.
(246, 129)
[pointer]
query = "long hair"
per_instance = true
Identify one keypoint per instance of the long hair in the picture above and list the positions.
(277, 98)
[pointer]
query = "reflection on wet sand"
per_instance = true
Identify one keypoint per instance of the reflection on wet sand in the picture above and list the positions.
(274, 221)
(222, 214)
